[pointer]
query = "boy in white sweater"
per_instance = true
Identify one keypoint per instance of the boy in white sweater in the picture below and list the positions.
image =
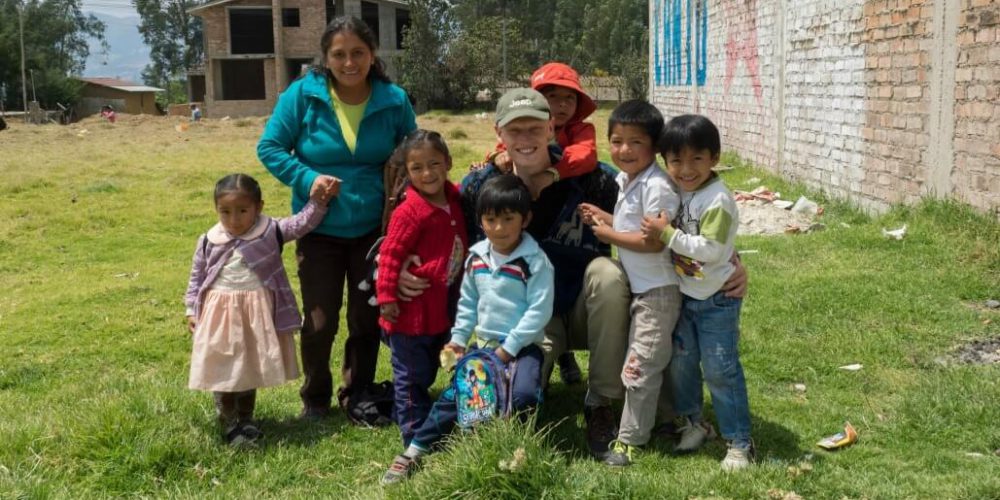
(701, 240)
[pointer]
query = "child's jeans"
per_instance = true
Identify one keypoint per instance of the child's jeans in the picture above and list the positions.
(654, 315)
(707, 338)
(415, 362)
(526, 393)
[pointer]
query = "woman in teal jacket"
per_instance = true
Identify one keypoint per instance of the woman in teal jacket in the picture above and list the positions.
(343, 119)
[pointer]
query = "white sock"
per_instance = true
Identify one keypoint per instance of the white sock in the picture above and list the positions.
(414, 452)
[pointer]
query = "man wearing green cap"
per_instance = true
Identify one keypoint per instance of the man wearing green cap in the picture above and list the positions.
(592, 294)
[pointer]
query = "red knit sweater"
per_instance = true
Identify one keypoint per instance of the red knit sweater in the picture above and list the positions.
(419, 228)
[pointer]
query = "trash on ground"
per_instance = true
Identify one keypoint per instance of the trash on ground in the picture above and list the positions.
(852, 367)
(895, 234)
(846, 437)
(993, 304)
(760, 193)
(806, 206)
(783, 204)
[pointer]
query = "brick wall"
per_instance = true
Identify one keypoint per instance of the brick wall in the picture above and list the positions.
(876, 101)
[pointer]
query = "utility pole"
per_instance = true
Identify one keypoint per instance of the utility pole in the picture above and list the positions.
(24, 83)
(503, 42)
(34, 97)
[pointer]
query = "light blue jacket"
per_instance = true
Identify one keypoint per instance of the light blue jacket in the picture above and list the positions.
(508, 304)
(303, 140)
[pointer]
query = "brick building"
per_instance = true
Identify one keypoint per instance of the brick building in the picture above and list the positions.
(254, 48)
(876, 101)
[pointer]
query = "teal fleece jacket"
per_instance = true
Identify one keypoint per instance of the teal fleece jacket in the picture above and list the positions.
(303, 139)
(510, 303)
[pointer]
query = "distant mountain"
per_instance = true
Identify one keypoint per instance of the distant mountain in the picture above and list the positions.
(127, 54)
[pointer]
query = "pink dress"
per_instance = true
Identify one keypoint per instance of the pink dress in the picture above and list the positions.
(236, 347)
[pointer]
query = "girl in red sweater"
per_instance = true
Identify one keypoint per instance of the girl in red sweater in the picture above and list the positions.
(429, 224)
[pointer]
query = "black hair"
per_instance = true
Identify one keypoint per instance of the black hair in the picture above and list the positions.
(502, 194)
(239, 183)
(692, 131)
(418, 138)
(638, 113)
(360, 29)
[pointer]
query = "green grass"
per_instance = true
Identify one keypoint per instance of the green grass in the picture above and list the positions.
(96, 235)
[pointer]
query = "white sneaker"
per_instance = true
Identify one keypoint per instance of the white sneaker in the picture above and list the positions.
(693, 435)
(737, 458)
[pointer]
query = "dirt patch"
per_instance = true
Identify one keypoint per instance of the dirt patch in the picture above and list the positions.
(979, 352)
(759, 217)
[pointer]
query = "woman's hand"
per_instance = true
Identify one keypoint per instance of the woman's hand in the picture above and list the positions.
(410, 285)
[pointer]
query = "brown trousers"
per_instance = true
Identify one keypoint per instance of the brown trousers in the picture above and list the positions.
(324, 263)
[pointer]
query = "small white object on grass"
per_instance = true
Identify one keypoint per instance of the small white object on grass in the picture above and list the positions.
(799, 387)
(805, 206)
(895, 234)
(852, 367)
(783, 204)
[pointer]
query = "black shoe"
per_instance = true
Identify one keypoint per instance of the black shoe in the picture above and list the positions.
(620, 454)
(251, 431)
(601, 429)
(314, 412)
(569, 370)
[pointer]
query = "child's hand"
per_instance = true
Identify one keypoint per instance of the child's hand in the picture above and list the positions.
(593, 215)
(191, 323)
(389, 312)
(324, 188)
(503, 355)
(503, 162)
(652, 227)
(455, 348)
(602, 231)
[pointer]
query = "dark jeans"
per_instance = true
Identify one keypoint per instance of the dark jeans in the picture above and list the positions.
(415, 362)
(324, 263)
(525, 392)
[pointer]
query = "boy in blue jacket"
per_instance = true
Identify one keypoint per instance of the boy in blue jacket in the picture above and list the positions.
(506, 298)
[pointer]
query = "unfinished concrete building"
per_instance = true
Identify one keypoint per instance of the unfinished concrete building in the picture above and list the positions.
(254, 48)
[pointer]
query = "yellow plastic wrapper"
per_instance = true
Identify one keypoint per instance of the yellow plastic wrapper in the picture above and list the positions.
(841, 439)
(448, 359)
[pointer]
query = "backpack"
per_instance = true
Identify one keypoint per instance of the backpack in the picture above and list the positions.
(372, 407)
(482, 388)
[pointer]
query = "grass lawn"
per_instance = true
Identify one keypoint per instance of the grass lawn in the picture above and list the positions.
(96, 234)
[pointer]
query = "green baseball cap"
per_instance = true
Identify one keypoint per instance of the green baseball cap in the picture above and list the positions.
(521, 103)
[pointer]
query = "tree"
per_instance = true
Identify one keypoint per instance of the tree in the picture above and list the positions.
(423, 53)
(55, 47)
(174, 38)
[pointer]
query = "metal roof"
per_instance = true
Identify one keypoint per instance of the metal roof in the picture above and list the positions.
(117, 84)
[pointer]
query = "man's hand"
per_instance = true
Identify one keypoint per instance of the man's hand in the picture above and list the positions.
(389, 312)
(191, 324)
(410, 285)
(736, 286)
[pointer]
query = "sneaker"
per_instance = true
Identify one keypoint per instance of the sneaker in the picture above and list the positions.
(569, 369)
(620, 454)
(738, 458)
(670, 429)
(601, 429)
(401, 469)
(693, 435)
(251, 432)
